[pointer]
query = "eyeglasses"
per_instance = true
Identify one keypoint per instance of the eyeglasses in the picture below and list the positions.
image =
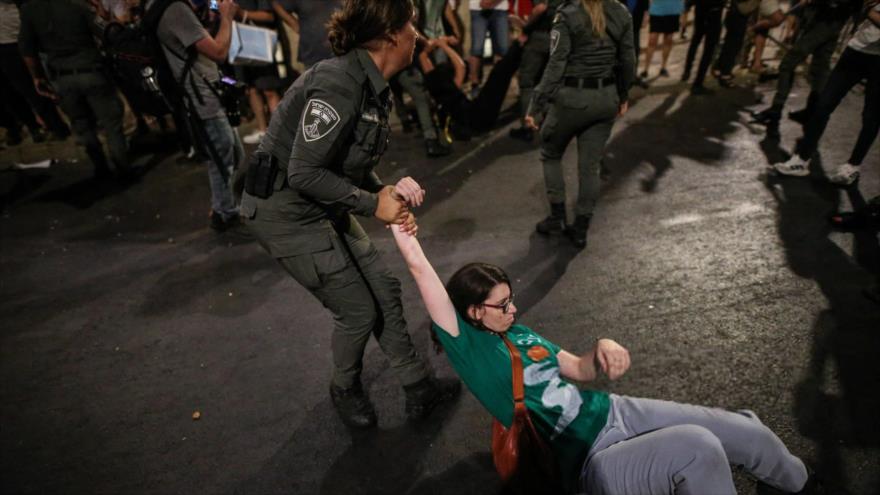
(503, 307)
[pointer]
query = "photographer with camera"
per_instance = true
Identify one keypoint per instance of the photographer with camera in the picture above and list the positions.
(211, 102)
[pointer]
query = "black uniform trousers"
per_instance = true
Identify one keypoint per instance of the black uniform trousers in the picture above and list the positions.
(707, 25)
(852, 67)
(354, 283)
(735, 24)
(19, 96)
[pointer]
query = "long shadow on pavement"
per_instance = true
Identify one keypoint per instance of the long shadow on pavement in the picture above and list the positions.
(695, 130)
(838, 413)
(377, 461)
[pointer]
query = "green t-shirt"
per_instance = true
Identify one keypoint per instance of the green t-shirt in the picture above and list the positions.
(569, 418)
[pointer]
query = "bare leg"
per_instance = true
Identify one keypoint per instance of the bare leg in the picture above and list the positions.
(272, 99)
(667, 47)
(256, 102)
(760, 41)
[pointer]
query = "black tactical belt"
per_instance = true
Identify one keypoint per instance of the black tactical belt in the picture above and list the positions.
(589, 82)
(73, 72)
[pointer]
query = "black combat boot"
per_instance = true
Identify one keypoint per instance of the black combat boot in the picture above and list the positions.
(769, 116)
(578, 231)
(522, 133)
(555, 223)
(353, 406)
(423, 396)
(436, 147)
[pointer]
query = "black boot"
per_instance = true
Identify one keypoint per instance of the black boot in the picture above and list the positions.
(436, 147)
(522, 133)
(423, 396)
(353, 406)
(578, 231)
(555, 223)
(768, 117)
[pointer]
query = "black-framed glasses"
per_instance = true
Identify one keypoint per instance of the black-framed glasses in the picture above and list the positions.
(503, 307)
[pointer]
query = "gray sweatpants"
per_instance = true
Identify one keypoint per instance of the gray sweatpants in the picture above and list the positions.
(653, 447)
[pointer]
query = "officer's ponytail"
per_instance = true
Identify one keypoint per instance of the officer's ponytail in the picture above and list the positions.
(360, 22)
(597, 16)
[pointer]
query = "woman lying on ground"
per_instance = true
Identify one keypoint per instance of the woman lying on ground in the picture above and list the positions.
(605, 443)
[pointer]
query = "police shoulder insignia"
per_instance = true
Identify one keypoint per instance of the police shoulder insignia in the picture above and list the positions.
(554, 40)
(319, 118)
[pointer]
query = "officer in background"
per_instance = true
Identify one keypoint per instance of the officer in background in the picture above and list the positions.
(63, 30)
(586, 85)
(536, 53)
(817, 38)
(313, 170)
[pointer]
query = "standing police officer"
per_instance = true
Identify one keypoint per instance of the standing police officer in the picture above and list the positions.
(64, 31)
(313, 169)
(536, 53)
(585, 85)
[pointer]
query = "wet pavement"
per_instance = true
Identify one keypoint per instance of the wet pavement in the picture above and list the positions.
(123, 314)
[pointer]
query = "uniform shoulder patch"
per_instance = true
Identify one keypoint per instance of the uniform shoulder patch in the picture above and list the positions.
(554, 40)
(318, 119)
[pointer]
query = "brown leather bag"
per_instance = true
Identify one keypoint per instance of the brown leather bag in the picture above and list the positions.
(522, 458)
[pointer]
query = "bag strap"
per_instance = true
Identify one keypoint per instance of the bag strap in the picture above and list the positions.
(519, 392)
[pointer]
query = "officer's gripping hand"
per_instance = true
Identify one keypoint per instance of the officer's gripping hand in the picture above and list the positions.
(612, 358)
(409, 191)
(391, 209)
(621, 110)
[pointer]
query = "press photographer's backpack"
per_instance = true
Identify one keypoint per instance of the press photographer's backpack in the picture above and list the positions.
(138, 65)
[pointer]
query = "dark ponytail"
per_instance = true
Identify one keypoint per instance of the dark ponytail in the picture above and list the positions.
(362, 21)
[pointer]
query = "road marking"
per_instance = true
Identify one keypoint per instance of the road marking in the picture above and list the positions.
(738, 211)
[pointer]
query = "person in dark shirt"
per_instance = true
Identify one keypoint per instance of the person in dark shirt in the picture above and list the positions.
(63, 30)
(311, 25)
(707, 30)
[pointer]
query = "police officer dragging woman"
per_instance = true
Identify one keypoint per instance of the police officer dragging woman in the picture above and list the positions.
(584, 88)
(314, 170)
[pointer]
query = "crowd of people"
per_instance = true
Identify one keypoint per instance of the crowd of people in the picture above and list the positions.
(320, 134)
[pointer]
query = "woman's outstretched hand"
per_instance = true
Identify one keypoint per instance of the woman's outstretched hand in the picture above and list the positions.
(410, 191)
(612, 358)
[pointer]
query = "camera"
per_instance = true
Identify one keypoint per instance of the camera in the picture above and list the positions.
(231, 92)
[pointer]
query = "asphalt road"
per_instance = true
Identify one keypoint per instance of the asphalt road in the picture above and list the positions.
(123, 314)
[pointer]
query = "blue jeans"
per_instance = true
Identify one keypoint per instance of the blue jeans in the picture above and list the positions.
(229, 150)
(495, 22)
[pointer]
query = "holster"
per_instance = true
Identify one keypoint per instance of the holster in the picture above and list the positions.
(261, 175)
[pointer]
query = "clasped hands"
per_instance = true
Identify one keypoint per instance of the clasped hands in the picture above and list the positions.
(395, 203)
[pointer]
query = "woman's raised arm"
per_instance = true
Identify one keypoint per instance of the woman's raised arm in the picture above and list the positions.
(433, 292)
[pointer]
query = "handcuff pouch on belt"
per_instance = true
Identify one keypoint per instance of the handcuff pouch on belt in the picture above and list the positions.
(261, 175)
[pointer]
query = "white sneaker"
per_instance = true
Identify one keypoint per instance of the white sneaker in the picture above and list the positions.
(254, 137)
(795, 166)
(844, 175)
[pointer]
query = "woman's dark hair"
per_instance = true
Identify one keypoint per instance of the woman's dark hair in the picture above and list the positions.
(362, 21)
(471, 285)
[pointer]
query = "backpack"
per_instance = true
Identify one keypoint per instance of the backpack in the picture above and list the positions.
(137, 64)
